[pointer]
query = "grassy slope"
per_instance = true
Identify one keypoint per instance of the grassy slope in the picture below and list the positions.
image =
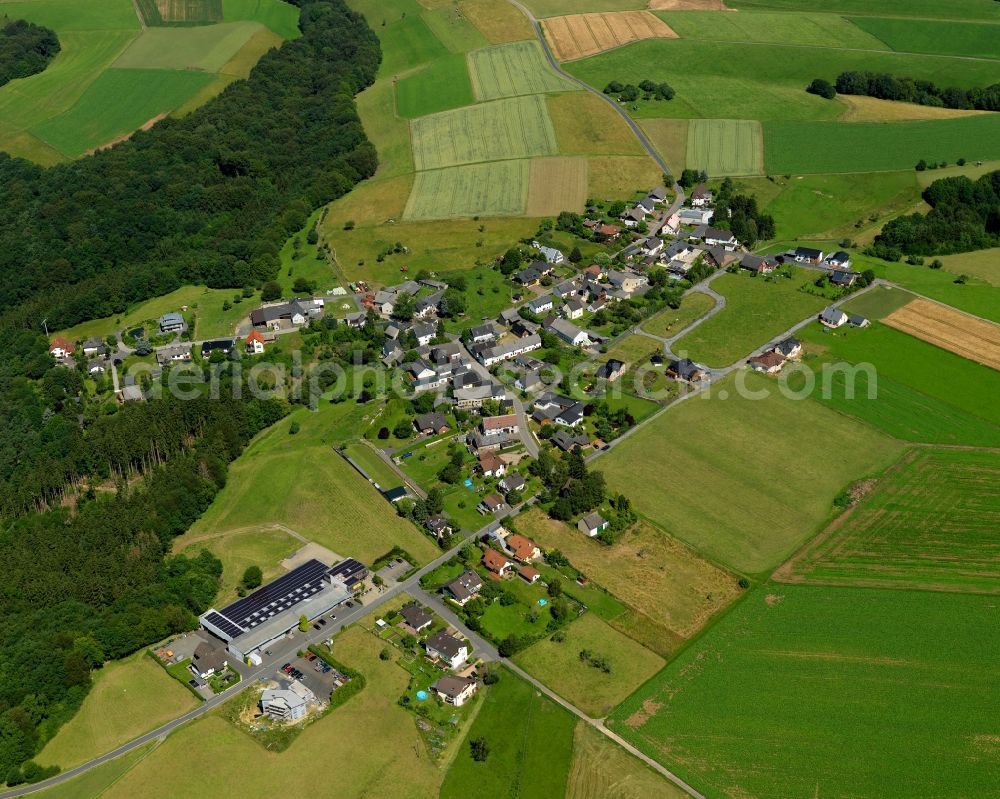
(934, 36)
(129, 697)
(927, 9)
(756, 310)
(693, 305)
(741, 479)
(984, 264)
(837, 692)
(205, 48)
(280, 17)
(439, 87)
(810, 29)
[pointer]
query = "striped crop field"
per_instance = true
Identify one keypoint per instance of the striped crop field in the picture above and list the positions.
(509, 70)
(725, 146)
(499, 188)
(518, 127)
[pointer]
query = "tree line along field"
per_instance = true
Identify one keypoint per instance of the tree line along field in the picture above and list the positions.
(840, 692)
(725, 146)
(932, 522)
(744, 453)
(112, 78)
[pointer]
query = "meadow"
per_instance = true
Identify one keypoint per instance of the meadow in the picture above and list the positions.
(756, 310)
(203, 48)
(672, 590)
(559, 666)
(924, 9)
(441, 86)
(984, 264)
(552, 8)
(555, 185)
(499, 188)
(128, 697)
(671, 321)
(179, 12)
(510, 70)
(530, 741)
(805, 690)
(497, 20)
(725, 146)
(520, 128)
(930, 523)
(806, 29)
(670, 138)
(762, 487)
(796, 147)
(934, 36)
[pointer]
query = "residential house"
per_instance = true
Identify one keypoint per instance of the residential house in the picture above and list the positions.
(807, 255)
(464, 587)
(611, 370)
(60, 348)
(768, 363)
(512, 482)
(254, 343)
(223, 345)
(416, 617)
(628, 282)
(720, 257)
(493, 503)
(838, 260)
(297, 313)
(700, 196)
(568, 288)
(529, 380)
(491, 466)
(94, 346)
(550, 254)
(508, 316)
(500, 424)
(96, 366)
(529, 574)
(447, 648)
(843, 278)
(455, 690)
(758, 264)
(208, 660)
(592, 524)
(439, 525)
(396, 494)
(573, 309)
(647, 205)
(685, 369)
(569, 332)
(695, 216)
(789, 348)
(593, 272)
(484, 332)
(571, 416)
(633, 217)
(522, 328)
(651, 246)
(658, 195)
(671, 225)
(168, 355)
(720, 238)
(427, 307)
(172, 323)
(432, 423)
(567, 441)
(424, 377)
(833, 317)
(470, 397)
(503, 352)
(541, 305)
(607, 233)
(498, 563)
(854, 320)
(523, 549)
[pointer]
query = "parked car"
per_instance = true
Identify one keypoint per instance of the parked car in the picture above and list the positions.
(286, 668)
(322, 622)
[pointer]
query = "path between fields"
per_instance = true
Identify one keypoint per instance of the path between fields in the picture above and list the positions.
(138, 13)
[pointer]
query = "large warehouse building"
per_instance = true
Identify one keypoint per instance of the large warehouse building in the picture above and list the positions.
(251, 623)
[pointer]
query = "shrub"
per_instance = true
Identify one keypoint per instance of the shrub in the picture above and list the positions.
(822, 88)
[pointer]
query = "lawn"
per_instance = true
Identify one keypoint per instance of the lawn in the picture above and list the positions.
(805, 691)
(596, 693)
(556, 185)
(602, 769)
(238, 549)
(371, 732)
(586, 125)
(129, 697)
(937, 36)
(510, 70)
(441, 86)
(675, 590)
(298, 481)
(530, 740)
(202, 48)
(499, 188)
(406, 43)
(984, 264)
(931, 523)
(756, 311)
(796, 147)
(702, 470)
(671, 321)
(118, 102)
(725, 146)
(518, 127)
(633, 349)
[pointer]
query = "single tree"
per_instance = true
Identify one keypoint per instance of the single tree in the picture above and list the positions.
(252, 577)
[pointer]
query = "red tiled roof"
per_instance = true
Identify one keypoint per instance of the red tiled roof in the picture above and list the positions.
(529, 573)
(494, 561)
(496, 422)
(61, 343)
(523, 548)
(255, 335)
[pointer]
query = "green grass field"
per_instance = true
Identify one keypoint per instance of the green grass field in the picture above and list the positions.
(73, 15)
(984, 264)
(407, 43)
(510, 70)
(727, 80)
(439, 87)
(937, 36)
(93, 783)
(926, 9)
(280, 17)
(530, 741)
(930, 523)
(725, 146)
(795, 147)
(595, 692)
(805, 29)
(493, 189)
(805, 691)
(129, 697)
(555, 8)
(518, 127)
(453, 29)
(374, 466)
(205, 49)
(756, 311)
(671, 321)
(762, 487)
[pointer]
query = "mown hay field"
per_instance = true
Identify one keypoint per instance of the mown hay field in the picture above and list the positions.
(517, 127)
(725, 146)
(499, 188)
(582, 35)
(586, 125)
(804, 29)
(497, 20)
(556, 185)
(203, 48)
(932, 522)
(934, 36)
(510, 70)
(949, 329)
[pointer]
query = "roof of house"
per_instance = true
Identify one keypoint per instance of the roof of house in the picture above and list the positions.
(832, 314)
(255, 335)
(566, 440)
(572, 415)
(465, 585)
(612, 367)
(593, 520)
(513, 482)
(396, 493)
(529, 573)
(437, 522)
(209, 658)
(717, 234)
(658, 193)
(171, 318)
(768, 359)
(500, 422)
(431, 421)
(490, 462)
(493, 502)
(808, 252)
(495, 561)
(452, 686)
(523, 548)
(684, 367)
(841, 276)
(447, 645)
(857, 320)
(700, 192)
(788, 346)
(415, 616)
(839, 257)
(61, 343)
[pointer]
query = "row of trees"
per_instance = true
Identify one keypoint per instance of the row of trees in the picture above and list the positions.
(964, 216)
(647, 90)
(907, 90)
(25, 49)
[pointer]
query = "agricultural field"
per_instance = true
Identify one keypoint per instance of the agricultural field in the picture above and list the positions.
(128, 697)
(934, 36)
(299, 482)
(924, 9)
(616, 176)
(204, 49)
(559, 665)
(511, 70)
(499, 188)
(794, 147)
(809, 29)
(671, 321)
(931, 522)
(949, 329)
(179, 12)
(520, 128)
(439, 87)
(530, 739)
(555, 185)
(871, 109)
(497, 20)
(672, 589)
(453, 27)
(93, 783)
(601, 769)
(806, 690)
(984, 264)
(670, 138)
(756, 311)
(725, 146)
(789, 489)
(586, 125)
(582, 35)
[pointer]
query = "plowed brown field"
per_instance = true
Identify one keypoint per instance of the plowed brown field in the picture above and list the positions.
(580, 35)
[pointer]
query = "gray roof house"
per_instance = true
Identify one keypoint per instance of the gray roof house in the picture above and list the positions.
(172, 323)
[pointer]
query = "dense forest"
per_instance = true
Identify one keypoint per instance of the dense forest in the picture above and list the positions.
(209, 198)
(908, 90)
(89, 504)
(25, 49)
(964, 216)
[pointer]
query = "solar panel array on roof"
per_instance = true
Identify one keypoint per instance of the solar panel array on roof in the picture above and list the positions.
(223, 624)
(285, 592)
(349, 571)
